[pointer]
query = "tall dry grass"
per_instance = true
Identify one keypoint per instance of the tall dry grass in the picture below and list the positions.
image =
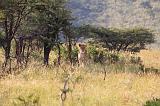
(85, 88)
(43, 86)
(151, 58)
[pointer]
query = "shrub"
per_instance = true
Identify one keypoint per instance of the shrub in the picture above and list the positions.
(135, 60)
(37, 56)
(74, 55)
(92, 52)
(64, 53)
(154, 102)
(113, 58)
(30, 100)
(101, 55)
(97, 55)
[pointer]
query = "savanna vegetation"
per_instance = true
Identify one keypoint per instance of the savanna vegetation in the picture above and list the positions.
(39, 59)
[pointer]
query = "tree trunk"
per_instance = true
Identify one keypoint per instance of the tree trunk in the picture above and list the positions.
(19, 50)
(70, 50)
(59, 54)
(7, 50)
(47, 49)
(29, 50)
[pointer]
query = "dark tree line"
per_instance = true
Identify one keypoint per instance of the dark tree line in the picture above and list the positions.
(14, 12)
(51, 19)
(24, 21)
(31, 23)
(132, 40)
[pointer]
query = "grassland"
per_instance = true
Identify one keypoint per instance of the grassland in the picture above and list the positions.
(151, 58)
(87, 86)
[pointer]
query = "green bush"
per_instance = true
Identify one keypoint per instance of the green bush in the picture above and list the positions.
(135, 60)
(92, 51)
(113, 58)
(100, 55)
(64, 53)
(74, 55)
(97, 55)
(154, 102)
(29, 100)
(37, 56)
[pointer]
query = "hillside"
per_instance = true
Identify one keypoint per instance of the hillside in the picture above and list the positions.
(118, 13)
(122, 13)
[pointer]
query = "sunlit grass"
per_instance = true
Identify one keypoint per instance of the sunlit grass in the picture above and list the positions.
(120, 89)
(151, 58)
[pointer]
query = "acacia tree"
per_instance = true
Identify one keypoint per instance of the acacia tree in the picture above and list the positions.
(14, 12)
(132, 40)
(52, 18)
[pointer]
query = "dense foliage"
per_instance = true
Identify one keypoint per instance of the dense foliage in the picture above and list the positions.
(154, 102)
(132, 40)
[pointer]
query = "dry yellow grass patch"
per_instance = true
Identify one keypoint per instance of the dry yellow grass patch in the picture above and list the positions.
(122, 89)
(151, 58)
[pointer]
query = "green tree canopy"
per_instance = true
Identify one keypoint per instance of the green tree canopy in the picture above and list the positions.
(51, 17)
(132, 40)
